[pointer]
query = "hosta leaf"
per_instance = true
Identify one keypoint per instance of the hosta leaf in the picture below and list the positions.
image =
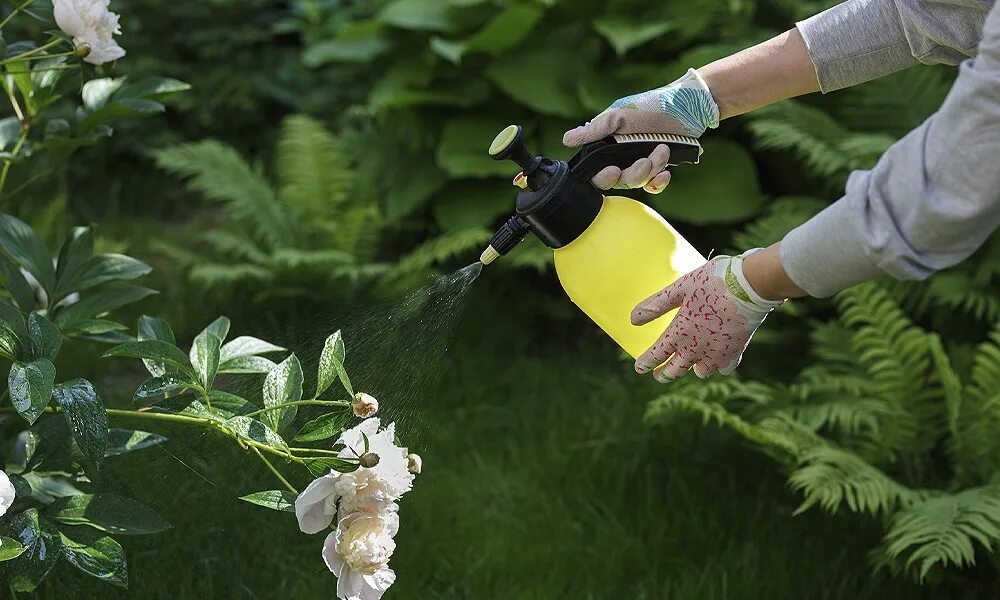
(281, 500)
(152, 328)
(155, 350)
(430, 15)
(623, 35)
(85, 415)
(204, 357)
(121, 441)
(255, 430)
(41, 550)
(10, 548)
(322, 466)
(246, 345)
(95, 554)
(334, 354)
(700, 196)
(357, 42)
(30, 387)
(46, 340)
(548, 87)
(162, 387)
(20, 243)
(97, 303)
(323, 427)
(107, 512)
(283, 384)
(461, 151)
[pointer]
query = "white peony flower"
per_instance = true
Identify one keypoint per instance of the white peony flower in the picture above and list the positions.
(6, 493)
(358, 552)
(364, 405)
(384, 482)
(91, 25)
(414, 463)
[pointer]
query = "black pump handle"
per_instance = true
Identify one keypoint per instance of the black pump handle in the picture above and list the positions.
(623, 150)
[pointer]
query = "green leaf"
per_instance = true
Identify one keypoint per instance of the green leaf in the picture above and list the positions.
(255, 430)
(129, 107)
(462, 149)
(699, 196)
(247, 364)
(94, 327)
(85, 415)
(281, 500)
(100, 269)
(14, 339)
(359, 42)
(30, 386)
(95, 554)
(324, 427)
(10, 548)
(322, 466)
(230, 404)
(156, 350)
(107, 512)
(204, 357)
(10, 131)
(427, 15)
(41, 550)
(547, 86)
(411, 185)
(121, 441)
(474, 203)
(282, 384)
(331, 363)
(97, 92)
(46, 488)
(246, 346)
(623, 34)
(219, 328)
(76, 249)
(46, 339)
(18, 286)
(20, 242)
(161, 387)
(98, 303)
(152, 328)
(152, 88)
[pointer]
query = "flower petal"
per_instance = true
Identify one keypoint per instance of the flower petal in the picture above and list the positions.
(311, 503)
(7, 493)
(377, 583)
(333, 560)
(350, 583)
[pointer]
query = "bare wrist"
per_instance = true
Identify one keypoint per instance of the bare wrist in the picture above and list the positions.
(766, 275)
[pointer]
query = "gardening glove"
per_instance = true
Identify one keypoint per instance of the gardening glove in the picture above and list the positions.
(718, 315)
(684, 107)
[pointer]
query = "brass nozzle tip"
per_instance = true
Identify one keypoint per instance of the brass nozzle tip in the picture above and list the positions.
(489, 255)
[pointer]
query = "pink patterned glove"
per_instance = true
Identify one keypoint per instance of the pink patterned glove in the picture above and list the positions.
(719, 313)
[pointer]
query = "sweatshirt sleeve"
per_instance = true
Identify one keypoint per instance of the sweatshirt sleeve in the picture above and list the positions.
(930, 201)
(860, 40)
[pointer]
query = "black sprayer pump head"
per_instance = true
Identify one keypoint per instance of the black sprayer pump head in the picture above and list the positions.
(558, 202)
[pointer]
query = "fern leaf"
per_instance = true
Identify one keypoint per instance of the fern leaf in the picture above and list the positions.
(219, 173)
(312, 168)
(898, 103)
(830, 476)
(442, 248)
(976, 443)
(783, 215)
(234, 245)
(211, 275)
(944, 530)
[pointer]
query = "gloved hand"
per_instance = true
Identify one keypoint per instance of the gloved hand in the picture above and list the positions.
(719, 313)
(684, 107)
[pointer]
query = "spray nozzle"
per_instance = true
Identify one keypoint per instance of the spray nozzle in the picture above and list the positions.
(509, 235)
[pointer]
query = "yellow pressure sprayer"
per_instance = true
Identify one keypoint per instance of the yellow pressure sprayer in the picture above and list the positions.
(610, 252)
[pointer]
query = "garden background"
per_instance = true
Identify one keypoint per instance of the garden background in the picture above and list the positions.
(330, 155)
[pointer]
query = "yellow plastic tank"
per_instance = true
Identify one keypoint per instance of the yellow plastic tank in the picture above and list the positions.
(626, 255)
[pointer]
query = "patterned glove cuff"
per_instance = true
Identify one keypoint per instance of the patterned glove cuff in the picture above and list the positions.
(737, 284)
(689, 100)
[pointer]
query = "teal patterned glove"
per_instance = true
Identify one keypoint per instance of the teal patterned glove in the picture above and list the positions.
(684, 107)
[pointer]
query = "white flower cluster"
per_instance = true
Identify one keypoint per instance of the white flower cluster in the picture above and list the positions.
(92, 27)
(363, 506)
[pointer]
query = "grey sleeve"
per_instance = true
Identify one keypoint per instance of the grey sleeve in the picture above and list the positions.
(932, 199)
(860, 40)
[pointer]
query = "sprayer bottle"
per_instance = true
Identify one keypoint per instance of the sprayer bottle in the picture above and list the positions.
(610, 252)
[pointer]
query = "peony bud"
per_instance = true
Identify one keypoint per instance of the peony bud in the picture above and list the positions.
(368, 460)
(83, 49)
(364, 405)
(414, 463)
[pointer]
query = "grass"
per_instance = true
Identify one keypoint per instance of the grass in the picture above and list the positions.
(540, 482)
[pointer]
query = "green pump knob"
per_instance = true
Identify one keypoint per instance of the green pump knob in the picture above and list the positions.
(509, 145)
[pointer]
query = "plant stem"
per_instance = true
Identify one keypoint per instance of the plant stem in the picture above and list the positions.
(30, 54)
(16, 10)
(299, 403)
(316, 451)
(158, 416)
(275, 471)
(17, 148)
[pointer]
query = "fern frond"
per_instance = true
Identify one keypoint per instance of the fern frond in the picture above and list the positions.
(830, 476)
(235, 245)
(443, 247)
(898, 103)
(976, 442)
(211, 275)
(944, 530)
(827, 147)
(317, 260)
(219, 173)
(178, 255)
(783, 215)
(313, 170)
(532, 254)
